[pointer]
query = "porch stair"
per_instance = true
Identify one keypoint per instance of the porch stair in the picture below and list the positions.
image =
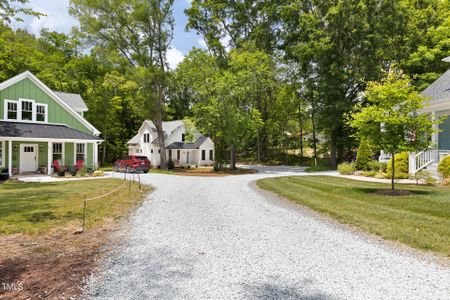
(427, 160)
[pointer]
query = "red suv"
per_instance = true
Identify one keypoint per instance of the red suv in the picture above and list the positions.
(132, 164)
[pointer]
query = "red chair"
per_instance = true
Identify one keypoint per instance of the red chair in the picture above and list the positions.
(56, 166)
(79, 165)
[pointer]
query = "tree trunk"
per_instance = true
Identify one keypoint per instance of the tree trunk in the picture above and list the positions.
(313, 122)
(232, 158)
(300, 121)
(333, 150)
(216, 164)
(161, 141)
(258, 146)
(104, 148)
(393, 172)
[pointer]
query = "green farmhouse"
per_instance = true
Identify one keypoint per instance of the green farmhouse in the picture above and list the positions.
(41, 129)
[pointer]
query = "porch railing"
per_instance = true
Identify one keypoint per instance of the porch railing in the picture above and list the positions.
(421, 160)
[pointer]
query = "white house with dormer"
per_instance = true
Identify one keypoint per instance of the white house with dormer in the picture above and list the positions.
(197, 152)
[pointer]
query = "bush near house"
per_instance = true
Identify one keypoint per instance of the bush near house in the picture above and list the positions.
(364, 156)
(346, 168)
(401, 166)
(376, 166)
(444, 167)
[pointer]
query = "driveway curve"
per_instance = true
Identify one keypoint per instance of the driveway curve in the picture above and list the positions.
(219, 238)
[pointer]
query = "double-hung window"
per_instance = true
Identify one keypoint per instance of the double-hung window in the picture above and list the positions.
(57, 152)
(11, 110)
(81, 152)
(211, 155)
(2, 154)
(41, 113)
(203, 154)
(27, 110)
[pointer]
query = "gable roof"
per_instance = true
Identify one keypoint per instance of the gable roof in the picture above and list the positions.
(73, 100)
(47, 131)
(51, 94)
(135, 140)
(168, 127)
(440, 89)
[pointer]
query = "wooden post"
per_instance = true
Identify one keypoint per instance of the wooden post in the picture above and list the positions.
(84, 214)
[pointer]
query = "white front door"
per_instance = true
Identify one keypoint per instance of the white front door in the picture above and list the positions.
(28, 158)
(187, 158)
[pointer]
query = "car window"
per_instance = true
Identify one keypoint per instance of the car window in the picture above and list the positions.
(141, 157)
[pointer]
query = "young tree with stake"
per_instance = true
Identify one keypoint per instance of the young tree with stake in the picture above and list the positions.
(393, 120)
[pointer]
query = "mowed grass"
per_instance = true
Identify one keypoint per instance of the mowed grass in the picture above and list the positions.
(420, 220)
(32, 208)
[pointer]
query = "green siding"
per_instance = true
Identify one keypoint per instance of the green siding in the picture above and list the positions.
(69, 154)
(89, 155)
(28, 90)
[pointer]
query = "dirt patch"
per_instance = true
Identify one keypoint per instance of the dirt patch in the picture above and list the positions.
(388, 192)
(51, 266)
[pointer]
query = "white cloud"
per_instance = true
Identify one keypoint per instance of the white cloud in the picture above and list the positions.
(174, 57)
(57, 17)
(202, 43)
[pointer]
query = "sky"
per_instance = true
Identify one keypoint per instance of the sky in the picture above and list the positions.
(58, 19)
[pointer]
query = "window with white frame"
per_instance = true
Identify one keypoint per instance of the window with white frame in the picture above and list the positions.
(81, 152)
(11, 112)
(146, 137)
(2, 154)
(27, 110)
(41, 112)
(57, 152)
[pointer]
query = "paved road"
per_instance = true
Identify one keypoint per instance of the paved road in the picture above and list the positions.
(218, 238)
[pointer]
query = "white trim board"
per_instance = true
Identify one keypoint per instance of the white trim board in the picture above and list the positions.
(51, 94)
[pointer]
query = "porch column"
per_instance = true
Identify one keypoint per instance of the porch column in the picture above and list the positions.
(49, 158)
(10, 154)
(434, 136)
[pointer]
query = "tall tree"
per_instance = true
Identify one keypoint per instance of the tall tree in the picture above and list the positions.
(343, 44)
(141, 31)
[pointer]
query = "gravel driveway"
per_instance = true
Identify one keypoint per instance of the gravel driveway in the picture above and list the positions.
(218, 238)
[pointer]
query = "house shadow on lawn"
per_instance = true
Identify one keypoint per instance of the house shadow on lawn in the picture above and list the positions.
(397, 192)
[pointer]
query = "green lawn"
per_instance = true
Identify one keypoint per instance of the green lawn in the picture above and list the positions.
(32, 208)
(420, 220)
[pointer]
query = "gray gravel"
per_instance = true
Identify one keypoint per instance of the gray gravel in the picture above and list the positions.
(199, 237)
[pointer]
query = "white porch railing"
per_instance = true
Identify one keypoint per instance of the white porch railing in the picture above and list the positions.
(421, 160)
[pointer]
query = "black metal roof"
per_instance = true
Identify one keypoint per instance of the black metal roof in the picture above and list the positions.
(49, 131)
(181, 145)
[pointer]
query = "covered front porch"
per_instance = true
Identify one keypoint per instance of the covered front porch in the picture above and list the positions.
(184, 157)
(39, 156)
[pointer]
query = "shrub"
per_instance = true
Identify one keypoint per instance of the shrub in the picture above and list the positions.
(318, 169)
(401, 166)
(424, 176)
(370, 173)
(364, 156)
(376, 166)
(170, 164)
(346, 168)
(444, 167)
